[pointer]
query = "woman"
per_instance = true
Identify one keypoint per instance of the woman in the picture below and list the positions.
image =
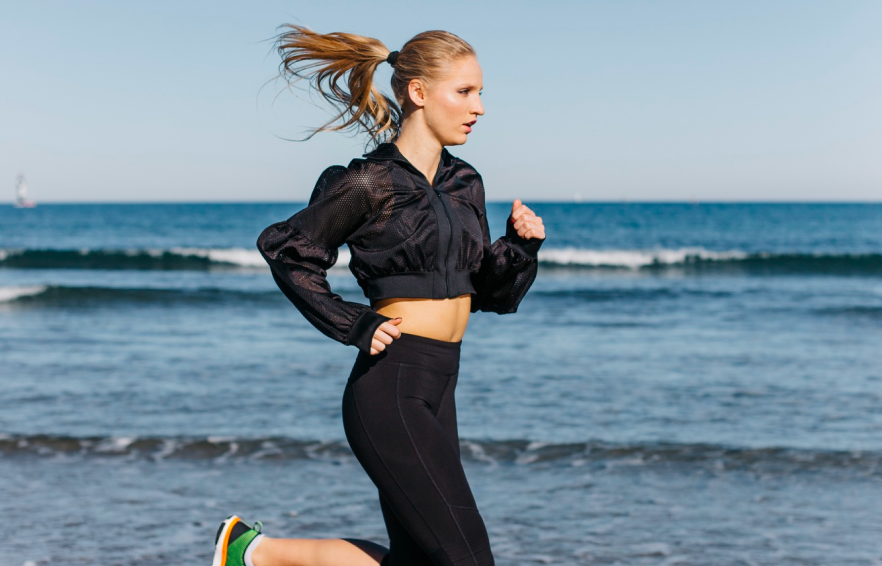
(422, 254)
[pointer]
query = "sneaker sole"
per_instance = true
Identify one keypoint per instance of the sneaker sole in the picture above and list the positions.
(220, 547)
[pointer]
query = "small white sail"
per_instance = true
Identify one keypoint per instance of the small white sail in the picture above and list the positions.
(21, 193)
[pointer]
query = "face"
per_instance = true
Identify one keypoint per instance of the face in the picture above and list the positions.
(451, 106)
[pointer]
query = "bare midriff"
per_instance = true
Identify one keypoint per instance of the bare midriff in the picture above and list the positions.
(441, 319)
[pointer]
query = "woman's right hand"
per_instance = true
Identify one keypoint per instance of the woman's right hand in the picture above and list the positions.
(384, 335)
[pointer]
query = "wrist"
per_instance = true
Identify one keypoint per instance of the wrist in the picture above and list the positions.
(526, 246)
(361, 335)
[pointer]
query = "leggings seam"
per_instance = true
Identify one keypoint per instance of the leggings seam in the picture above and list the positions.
(455, 441)
(383, 462)
(425, 469)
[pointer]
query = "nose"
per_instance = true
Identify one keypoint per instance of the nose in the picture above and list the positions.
(478, 109)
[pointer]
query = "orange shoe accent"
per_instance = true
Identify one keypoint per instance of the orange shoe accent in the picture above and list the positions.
(227, 541)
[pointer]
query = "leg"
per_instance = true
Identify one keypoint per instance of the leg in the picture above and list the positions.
(391, 417)
(403, 542)
(240, 544)
(400, 539)
(317, 552)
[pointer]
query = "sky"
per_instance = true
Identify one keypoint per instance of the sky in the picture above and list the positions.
(107, 101)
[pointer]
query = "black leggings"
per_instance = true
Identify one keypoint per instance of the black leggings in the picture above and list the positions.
(400, 420)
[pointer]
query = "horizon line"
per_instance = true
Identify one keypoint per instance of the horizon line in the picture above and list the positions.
(532, 202)
(11, 203)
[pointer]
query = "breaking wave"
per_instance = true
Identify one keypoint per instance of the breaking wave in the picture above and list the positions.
(157, 259)
(700, 259)
(10, 294)
(49, 295)
(492, 452)
(691, 259)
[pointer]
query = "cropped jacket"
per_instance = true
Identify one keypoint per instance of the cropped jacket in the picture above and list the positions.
(407, 238)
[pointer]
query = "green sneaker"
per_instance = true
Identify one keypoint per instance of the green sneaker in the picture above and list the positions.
(233, 537)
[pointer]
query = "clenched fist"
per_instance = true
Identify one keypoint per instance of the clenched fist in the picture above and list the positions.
(526, 222)
(384, 335)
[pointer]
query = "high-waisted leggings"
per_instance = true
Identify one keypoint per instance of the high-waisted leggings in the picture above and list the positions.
(400, 420)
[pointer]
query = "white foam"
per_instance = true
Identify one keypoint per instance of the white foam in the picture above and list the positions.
(169, 445)
(478, 453)
(629, 259)
(234, 447)
(115, 444)
(9, 252)
(235, 256)
(9, 294)
(238, 256)
(633, 259)
(343, 259)
(651, 549)
(620, 258)
(267, 448)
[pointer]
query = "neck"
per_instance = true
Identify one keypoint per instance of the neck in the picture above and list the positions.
(422, 149)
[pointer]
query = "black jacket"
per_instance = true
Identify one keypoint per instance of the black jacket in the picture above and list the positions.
(407, 239)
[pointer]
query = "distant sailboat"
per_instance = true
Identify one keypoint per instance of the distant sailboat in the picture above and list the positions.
(21, 194)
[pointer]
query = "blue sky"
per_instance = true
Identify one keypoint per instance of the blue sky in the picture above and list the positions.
(600, 101)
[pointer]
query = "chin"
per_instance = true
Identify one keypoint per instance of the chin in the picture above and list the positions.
(457, 140)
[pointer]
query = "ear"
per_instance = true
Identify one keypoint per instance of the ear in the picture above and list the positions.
(416, 90)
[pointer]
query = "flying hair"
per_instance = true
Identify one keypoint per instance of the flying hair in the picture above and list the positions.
(341, 67)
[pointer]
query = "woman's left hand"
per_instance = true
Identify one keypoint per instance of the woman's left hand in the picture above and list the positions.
(526, 222)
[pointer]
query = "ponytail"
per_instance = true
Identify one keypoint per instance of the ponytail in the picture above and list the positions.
(341, 67)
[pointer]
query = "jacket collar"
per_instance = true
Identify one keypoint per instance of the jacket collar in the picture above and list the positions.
(388, 151)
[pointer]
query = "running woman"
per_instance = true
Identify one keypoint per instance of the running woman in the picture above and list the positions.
(414, 218)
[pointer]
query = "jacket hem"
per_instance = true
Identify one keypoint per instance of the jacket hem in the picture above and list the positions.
(419, 285)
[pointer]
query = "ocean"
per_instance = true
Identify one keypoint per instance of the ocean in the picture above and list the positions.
(690, 384)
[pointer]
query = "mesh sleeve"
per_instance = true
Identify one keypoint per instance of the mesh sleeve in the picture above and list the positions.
(301, 249)
(508, 267)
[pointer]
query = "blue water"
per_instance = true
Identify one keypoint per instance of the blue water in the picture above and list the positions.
(684, 384)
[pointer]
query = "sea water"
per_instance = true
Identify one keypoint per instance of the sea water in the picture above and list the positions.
(684, 384)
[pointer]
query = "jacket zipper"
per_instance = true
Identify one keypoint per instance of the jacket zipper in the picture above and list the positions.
(449, 245)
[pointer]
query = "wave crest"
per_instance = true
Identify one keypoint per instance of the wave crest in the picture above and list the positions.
(10, 294)
(158, 259)
(700, 259)
(687, 259)
(493, 452)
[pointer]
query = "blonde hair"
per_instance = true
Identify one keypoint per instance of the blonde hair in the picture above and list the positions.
(341, 67)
